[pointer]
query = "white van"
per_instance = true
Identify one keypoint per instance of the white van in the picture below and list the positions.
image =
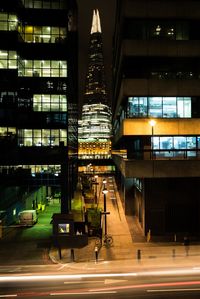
(28, 217)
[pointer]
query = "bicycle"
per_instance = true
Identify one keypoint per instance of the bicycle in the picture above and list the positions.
(108, 240)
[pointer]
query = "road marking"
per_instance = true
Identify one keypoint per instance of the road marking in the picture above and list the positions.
(86, 281)
(173, 290)
(63, 266)
(8, 296)
(106, 281)
(82, 293)
(109, 281)
(106, 292)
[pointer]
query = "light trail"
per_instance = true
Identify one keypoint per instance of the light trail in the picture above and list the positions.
(59, 277)
(99, 275)
(174, 290)
(170, 286)
(148, 285)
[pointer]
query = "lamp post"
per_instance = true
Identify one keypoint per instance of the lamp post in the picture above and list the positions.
(105, 191)
(96, 183)
(152, 123)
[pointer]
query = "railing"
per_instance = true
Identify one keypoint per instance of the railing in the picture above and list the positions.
(162, 154)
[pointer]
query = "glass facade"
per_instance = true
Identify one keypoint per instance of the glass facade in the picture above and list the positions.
(42, 137)
(30, 33)
(8, 59)
(44, 4)
(96, 122)
(42, 68)
(160, 29)
(176, 146)
(32, 68)
(43, 34)
(163, 107)
(8, 21)
(38, 100)
(47, 102)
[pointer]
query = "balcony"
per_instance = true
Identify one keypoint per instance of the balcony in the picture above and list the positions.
(131, 168)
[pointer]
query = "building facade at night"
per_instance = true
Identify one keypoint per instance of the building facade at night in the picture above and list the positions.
(38, 103)
(156, 113)
(95, 123)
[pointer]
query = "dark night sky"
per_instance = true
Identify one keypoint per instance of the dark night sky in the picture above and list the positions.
(107, 14)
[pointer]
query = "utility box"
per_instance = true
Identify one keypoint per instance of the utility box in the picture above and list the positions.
(67, 232)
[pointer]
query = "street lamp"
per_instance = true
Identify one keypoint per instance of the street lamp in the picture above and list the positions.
(152, 123)
(88, 167)
(96, 183)
(105, 191)
(104, 182)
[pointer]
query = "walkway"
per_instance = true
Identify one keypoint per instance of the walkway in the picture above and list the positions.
(129, 246)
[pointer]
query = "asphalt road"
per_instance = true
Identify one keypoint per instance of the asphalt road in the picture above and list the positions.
(176, 283)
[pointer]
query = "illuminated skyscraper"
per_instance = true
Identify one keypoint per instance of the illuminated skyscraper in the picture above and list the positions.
(95, 125)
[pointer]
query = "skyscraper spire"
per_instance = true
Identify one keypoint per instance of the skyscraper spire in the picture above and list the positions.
(96, 25)
(95, 88)
(95, 125)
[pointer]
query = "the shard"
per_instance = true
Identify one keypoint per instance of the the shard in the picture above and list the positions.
(95, 125)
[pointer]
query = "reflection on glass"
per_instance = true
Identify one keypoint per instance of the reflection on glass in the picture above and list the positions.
(163, 107)
(177, 146)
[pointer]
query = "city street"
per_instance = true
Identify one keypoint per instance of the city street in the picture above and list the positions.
(31, 269)
(143, 284)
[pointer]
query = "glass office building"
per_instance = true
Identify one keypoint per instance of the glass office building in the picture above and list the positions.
(38, 103)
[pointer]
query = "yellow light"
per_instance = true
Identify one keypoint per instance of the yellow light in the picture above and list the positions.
(152, 122)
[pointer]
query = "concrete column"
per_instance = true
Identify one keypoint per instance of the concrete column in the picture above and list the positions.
(129, 196)
(64, 189)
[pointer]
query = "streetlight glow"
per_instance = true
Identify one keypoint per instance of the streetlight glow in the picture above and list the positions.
(152, 122)
(105, 191)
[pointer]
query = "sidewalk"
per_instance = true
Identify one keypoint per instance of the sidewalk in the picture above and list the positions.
(129, 248)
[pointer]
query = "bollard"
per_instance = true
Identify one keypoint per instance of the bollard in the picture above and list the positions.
(174, 237)
(186, 243)
(1, 229)
(72, 255)
(96, 253)
(60, 252)
(149, 236)
(139, 254)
